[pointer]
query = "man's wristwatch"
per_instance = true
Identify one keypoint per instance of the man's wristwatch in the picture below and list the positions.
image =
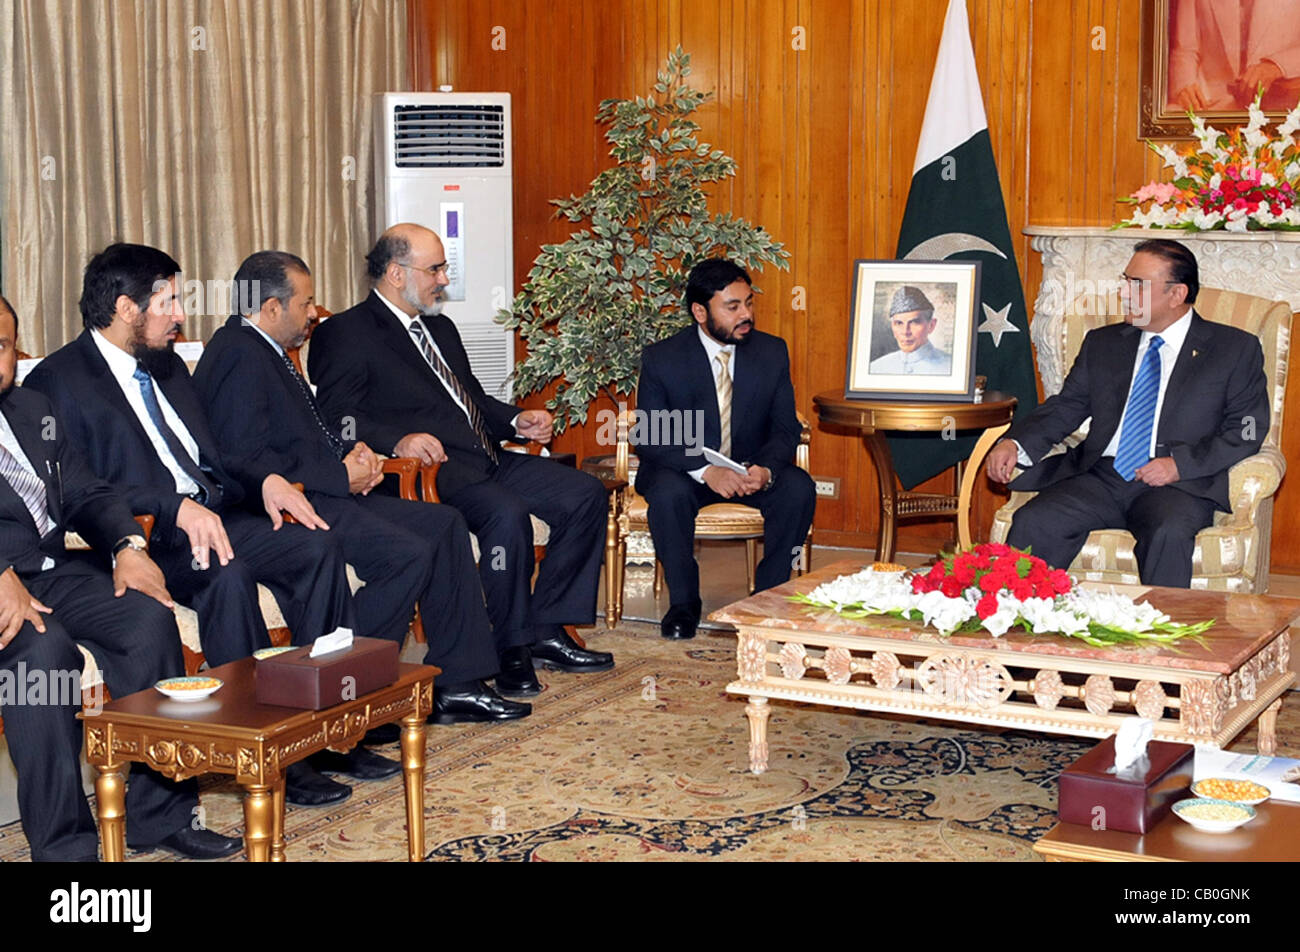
(771, 478)
(129, 542)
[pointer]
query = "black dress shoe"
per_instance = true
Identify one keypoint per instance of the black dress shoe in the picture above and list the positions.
(358, 763)
(305, 786)
(680, 622)
(472, 703)
(562, 653)
(196, 844)
(383, 734)
(517, 677)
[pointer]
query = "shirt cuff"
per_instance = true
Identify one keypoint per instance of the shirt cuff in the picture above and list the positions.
(1022, 458)
(697, 474)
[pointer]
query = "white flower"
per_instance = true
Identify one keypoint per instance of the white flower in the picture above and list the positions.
(1008, 614)
(1267, 179)
(1263, 216)
(875, 591)
(1291, 124)
(1114, 610)
(1237, 220)
(1257, 117)
(1256, 139)
(1180, 167)
(1293, 170)
(1216, 180)
(1168, 153)
(1205, 221)
(944, 613)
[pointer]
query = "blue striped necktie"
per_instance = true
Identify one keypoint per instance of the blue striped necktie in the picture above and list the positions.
(1139, 416)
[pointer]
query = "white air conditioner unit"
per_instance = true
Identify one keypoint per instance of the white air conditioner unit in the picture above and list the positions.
(442, 160)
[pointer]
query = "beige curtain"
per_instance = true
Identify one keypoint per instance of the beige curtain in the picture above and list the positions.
(208, 128)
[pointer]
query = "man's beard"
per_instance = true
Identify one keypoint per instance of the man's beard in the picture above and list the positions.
(718, 334)
(412, 297)
(156, 362)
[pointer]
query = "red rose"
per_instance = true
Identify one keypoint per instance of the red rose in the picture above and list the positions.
(1060, 581)
(952, 587)
(986, 606)
(991, 582)
(1022, 589)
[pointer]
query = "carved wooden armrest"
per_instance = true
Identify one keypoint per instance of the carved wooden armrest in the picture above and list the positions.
(146, 526)
(405, 469)
(801, 458)
(429, 482)
(1253, 480)
(288, 517)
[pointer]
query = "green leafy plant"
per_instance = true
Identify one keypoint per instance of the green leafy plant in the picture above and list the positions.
(592, 303)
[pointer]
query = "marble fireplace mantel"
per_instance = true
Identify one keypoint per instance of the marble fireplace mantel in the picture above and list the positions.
(1081, 269)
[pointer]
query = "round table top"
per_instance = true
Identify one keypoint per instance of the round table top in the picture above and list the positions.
(995, 409)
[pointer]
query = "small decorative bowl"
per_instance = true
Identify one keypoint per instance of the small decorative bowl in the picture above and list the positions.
(194, 688)
(1213, 816)
(261, 654)
(1247, 792)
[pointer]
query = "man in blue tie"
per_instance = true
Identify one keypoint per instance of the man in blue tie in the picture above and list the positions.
(1175, 401)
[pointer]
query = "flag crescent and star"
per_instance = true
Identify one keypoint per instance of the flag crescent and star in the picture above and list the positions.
(955, 211)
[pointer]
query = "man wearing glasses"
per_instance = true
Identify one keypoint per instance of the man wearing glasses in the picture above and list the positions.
(1175, 401)
(393, 372)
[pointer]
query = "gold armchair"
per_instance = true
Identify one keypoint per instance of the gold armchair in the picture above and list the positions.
(723, 520)
(1232, 554)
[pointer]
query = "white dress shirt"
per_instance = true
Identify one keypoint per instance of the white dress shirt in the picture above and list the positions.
(1173, 337)
(713, 348)
(122, 365)
(407, 320)
(10, 442)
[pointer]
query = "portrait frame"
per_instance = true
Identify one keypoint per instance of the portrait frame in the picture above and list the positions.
(1157, 117)
(876, 359)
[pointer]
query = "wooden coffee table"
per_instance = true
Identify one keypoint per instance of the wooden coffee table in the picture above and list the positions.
(231, 733)
(1194, 694)
(1272, 837)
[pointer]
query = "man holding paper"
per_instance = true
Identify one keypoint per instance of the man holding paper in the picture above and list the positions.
(737, 380)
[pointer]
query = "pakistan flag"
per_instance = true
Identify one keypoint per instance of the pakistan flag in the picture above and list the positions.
(955, 212)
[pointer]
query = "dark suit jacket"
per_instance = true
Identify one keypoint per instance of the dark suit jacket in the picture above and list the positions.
(96, 417)
(1215, 412)
(260, 417)
(676, 375)
(367, 368)
(74, 497)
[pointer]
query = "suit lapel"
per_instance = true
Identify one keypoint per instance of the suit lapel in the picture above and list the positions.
(1190, 358)
(36, 449)
(1112, 400)
(106, 386)
(396, 339)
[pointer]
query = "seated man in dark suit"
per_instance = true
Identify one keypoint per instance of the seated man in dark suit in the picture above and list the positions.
(396, 368)
(1175, 401)
(738, 380)
(266, 420)
(50, 601)
(126, 399)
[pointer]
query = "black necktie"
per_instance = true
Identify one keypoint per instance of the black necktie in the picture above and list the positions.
(209, 493)
(332, 438)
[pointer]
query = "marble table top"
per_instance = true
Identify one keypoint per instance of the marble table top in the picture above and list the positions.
(1243, 624)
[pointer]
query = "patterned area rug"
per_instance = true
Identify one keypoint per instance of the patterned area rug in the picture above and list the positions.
(649, 762)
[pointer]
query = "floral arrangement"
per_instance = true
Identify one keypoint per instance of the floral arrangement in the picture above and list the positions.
(996, 587)
(1243, 180)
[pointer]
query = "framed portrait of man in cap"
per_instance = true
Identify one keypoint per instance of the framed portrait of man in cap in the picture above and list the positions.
(912, 334)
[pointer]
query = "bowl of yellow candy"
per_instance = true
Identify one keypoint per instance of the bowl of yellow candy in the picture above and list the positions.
(194, 688)
(1234, 791)
(1213, 816)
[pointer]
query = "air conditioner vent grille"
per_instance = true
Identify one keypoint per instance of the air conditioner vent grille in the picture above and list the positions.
(449, 136)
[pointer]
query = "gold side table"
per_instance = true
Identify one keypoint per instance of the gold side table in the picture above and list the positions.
(872, 419)
(231, 733)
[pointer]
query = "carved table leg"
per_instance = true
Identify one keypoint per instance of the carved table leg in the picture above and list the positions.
(1268, 729)
(277, 822)
(878, 447)
(413, 768)
(110, 796)
(757, 711)
(259, 823)
(972, 471)
(611, 561)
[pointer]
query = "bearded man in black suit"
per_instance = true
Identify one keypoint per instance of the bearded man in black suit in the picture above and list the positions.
(50, 601)
(738, 380)
(266, 420)
(1175, 401)
(395, 366)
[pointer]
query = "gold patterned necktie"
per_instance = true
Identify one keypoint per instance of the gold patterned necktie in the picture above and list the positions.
(724, 403)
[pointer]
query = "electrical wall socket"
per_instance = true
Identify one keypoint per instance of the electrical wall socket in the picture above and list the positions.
(828, 487)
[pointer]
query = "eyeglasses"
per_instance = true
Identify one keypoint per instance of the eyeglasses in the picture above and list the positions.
(434, 269)
(1137, 283)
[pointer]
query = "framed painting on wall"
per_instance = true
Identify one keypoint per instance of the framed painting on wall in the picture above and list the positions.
(1212, 56)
